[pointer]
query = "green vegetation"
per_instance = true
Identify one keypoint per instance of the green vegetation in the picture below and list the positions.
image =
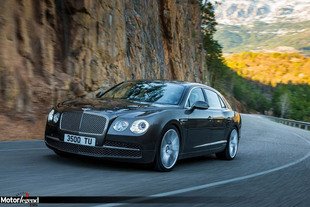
(264, 36)
(271, 68)
(250, 94)
(287, 73)
(214, 59)
(292, 101)
(261, 82)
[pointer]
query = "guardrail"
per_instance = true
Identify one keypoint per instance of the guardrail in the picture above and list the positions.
(291, 122)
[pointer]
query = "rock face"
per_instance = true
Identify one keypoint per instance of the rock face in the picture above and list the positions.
(51, 47)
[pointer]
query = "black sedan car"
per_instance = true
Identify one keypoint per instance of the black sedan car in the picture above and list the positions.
(146, 121)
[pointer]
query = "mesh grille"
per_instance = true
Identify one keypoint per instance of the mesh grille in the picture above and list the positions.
(122, 144)
(93, 151)
(93, 124)
(71, 121)
(83, 122)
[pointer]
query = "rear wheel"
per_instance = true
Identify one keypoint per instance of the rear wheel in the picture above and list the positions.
(168, 150)
(231, 148)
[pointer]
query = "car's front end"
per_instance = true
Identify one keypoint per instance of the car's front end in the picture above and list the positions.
(103, 133)
(122, 123)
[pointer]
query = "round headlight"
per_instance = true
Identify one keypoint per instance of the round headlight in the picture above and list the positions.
(120, 126)
(139, 126)
(56, 117)
(51, 115)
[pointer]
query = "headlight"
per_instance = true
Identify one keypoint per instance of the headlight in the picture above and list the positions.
(139, 126)
(56, 117)
(51, 115)
(120, 126)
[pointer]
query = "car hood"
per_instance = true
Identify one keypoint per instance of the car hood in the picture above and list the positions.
(114, 107)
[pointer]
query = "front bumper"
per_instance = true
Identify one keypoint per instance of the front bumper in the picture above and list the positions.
(116, 150)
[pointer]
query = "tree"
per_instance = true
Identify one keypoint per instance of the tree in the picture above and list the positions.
(284, 104)
(214, 60)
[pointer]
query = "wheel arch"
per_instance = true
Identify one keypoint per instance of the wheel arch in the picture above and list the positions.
(181, 132)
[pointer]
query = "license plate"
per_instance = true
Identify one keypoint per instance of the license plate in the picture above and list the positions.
(88, 141)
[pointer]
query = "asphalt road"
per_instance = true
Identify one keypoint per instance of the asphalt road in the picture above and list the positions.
(272, 168)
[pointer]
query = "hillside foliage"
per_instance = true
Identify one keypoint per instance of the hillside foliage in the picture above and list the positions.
(262, 36)
(271, 68)
(269, 83)
(292, 101)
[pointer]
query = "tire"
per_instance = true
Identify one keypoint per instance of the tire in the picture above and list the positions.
(168, 150)
(231, 148)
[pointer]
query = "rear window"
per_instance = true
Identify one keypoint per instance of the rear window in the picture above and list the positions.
(213, 99)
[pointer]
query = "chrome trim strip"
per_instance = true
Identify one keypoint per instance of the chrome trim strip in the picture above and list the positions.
(212, 143)
(120, 148)
(54, 138)
(81, 120)
(207, 88)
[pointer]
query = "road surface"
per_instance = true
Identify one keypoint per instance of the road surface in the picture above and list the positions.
(272, 168)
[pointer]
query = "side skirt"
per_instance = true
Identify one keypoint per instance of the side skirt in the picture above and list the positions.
(214, 149)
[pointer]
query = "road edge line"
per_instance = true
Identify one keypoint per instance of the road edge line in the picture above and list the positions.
(214, 184)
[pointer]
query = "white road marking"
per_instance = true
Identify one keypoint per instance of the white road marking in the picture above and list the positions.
(25, 149)
(214, 184)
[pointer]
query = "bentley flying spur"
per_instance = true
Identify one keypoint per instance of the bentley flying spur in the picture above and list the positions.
(146, 121)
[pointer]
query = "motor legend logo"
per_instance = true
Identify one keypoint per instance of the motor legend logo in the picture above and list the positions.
(20, 198)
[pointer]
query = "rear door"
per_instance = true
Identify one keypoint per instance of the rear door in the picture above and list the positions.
(216, 110)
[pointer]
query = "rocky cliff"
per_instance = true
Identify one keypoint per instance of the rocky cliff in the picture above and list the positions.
(53, 47)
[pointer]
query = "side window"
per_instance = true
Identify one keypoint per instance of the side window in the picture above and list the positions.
(196, 95)
(213, 99)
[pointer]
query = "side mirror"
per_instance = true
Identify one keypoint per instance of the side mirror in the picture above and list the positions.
(200, 105)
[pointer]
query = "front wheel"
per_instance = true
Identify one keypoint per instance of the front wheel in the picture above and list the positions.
(231, 148)
(168, 151)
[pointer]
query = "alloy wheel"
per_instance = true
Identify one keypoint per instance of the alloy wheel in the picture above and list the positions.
(169, 150)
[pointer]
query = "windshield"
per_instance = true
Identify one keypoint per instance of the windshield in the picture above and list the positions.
(153, 92)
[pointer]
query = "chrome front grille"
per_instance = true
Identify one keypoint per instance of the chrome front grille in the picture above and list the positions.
(83, 122)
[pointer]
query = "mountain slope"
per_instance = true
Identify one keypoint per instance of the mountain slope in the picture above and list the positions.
(271, 68)
(284, 36)
(245, 12)
(261, 24)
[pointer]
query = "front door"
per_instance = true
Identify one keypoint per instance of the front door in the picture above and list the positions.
(199, 123)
